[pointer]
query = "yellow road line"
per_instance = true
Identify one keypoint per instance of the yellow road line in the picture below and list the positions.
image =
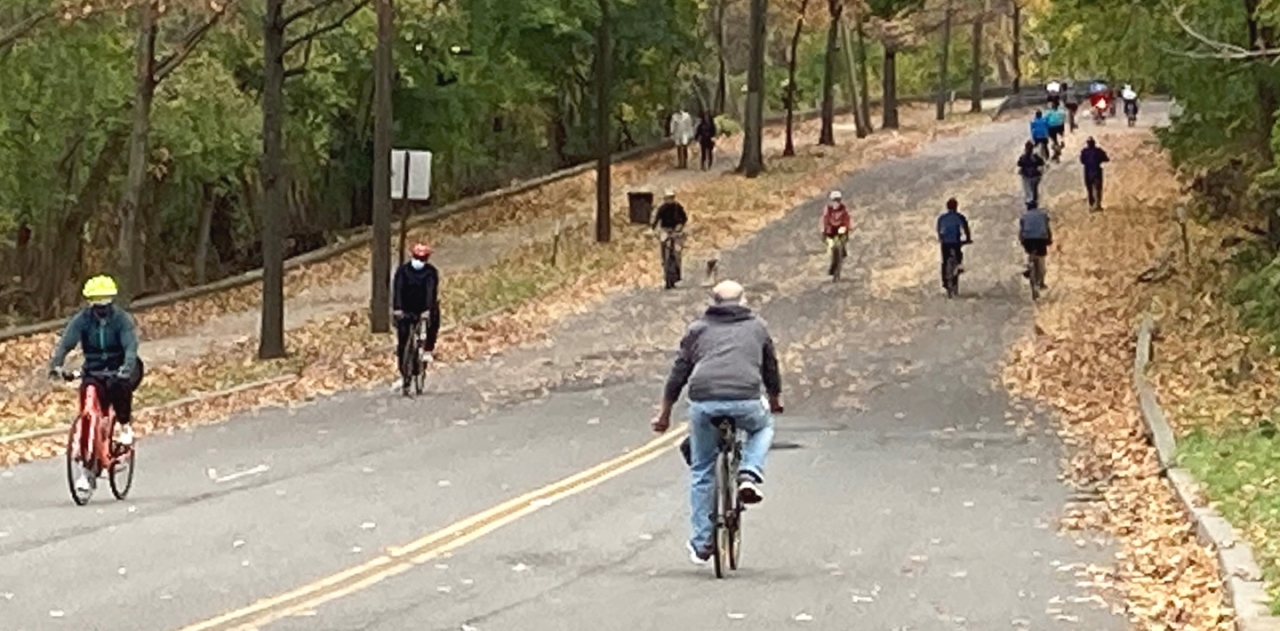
(435, 544)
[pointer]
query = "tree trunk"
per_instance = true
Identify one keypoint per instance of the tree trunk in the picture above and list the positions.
(864, 84)
(203, 234)
(855, 105)
(129, 255)
(835, 8)
(890, 101)
(1017, 47)
(271, 336)
(603, 149)
(790, 148)
(943, 63)
(976, 69)
(380, 266)
(722, 82)
(753, 126)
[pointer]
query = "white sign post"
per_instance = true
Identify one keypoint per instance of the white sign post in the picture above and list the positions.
(410, 174)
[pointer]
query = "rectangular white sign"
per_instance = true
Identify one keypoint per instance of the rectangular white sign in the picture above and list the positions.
(418, 165)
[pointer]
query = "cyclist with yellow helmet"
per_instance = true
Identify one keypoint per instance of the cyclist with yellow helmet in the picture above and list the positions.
(109, 341)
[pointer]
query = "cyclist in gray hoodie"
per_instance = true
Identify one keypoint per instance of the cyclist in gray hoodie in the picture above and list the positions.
(727, 359)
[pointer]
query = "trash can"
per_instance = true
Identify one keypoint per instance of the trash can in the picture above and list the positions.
(640, 205)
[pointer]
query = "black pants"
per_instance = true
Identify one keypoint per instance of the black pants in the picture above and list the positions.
(115, 394)
(1093, 184)
(682, 156)
(947, 250)
(708, 157)
(1071, 115)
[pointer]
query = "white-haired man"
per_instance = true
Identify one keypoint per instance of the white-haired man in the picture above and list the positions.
(727, 359)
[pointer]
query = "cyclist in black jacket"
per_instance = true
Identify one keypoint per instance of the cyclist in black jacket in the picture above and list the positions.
(416, 292)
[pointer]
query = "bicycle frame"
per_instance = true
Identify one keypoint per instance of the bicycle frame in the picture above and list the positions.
(93, 432)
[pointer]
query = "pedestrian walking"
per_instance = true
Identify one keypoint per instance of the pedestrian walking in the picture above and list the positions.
(706, 136)
(682, 135)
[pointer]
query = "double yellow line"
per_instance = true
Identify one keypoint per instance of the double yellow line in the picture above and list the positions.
(398, 560)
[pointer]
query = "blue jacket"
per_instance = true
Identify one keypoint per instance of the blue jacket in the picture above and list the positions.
(1034, 224)
(952, 227)
(1055, 118)
(1039, 129)
(108, 344)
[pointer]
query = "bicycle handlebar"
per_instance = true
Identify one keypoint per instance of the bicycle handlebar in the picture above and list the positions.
(72, 375)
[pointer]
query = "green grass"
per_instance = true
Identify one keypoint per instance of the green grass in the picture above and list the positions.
(1241, 475)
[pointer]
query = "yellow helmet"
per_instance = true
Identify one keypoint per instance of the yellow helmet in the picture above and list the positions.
(100, 288)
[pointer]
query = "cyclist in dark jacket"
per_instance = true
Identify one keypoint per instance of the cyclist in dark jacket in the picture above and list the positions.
(107, 337)
(416, 292)
(1092, 157)
(953, 231)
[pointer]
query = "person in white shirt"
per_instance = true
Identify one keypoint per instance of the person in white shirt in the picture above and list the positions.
(1130, 98)
(682, 134)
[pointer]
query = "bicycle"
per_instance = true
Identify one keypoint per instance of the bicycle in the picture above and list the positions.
(838, 247)
(413, 364)
(91, 444)
(727, 543)
(1035, 275)
(671, 247)
(951, 273)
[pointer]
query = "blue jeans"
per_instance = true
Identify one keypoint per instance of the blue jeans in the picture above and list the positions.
(752, 417)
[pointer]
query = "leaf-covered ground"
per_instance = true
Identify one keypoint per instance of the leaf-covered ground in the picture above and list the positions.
(1079, 362)
(338, 352)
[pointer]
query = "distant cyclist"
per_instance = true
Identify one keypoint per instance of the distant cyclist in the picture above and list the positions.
(1035, 235)
(109, 341)
(415, 293)
(953, 231)
(1030, 169)
(670, 219)
(1057, 128)
(727, 359)
(1040, 133)
(834, 217)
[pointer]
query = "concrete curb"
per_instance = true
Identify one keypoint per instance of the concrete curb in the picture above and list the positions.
(1241, 575)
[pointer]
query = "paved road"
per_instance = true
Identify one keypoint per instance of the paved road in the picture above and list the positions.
(906, 491)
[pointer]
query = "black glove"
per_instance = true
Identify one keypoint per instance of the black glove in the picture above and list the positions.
(55, 372)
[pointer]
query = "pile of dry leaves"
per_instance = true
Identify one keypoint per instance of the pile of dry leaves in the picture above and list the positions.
(1079, 361)
(339, 353)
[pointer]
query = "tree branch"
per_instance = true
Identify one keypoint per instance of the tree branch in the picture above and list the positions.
(1221, 50)
(302, 69)
(307, 10)
(332, 26)
(22, 28)
(189, 42)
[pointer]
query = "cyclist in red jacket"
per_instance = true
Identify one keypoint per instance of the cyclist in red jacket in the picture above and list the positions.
(835, 217)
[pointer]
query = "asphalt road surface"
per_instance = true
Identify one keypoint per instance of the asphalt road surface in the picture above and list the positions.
(905, 491)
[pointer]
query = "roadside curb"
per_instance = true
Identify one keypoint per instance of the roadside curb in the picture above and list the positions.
(1241, 575)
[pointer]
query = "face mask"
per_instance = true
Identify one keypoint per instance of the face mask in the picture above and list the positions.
(418, 264)
(101, 311)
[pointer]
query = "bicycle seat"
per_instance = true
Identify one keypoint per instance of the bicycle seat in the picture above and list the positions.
(723, 420)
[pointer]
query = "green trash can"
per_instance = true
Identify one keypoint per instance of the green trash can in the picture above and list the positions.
(640, 205)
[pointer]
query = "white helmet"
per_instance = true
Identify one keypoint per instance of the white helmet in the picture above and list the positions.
(834, 196)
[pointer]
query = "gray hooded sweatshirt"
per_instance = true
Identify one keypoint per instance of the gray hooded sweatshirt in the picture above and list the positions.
(727, 355)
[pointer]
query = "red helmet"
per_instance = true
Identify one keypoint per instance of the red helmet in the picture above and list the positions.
(421, 250)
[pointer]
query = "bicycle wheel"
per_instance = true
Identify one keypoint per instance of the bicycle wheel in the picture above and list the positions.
(951, 280)
(670, 268)
(722, 541)
(75, 466)
(1033, 278)
(734, 523)
(419, 364)
(837, 260)
(406, 366)
(121, 474)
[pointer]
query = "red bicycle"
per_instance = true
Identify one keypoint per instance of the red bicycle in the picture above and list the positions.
(91, 445)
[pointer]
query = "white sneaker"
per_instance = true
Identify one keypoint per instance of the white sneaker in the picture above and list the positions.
(694, 557)
(427, 357)
(749, 493)
(125, 437)
(82, 483)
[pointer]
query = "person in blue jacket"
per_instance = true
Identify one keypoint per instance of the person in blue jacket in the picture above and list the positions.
(1057, 121)
(1040, 134)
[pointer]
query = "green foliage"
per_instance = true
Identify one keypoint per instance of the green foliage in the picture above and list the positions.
(726, 126)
